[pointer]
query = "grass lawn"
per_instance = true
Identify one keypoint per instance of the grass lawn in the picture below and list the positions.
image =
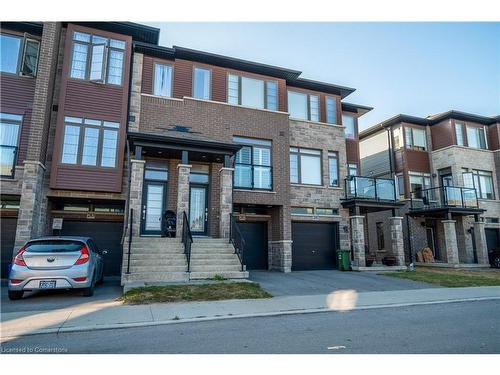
(451, 278)
(197, 292)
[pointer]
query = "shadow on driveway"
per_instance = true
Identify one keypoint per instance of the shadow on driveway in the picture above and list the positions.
(300, 283)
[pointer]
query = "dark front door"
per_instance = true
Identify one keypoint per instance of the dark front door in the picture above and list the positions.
(314, 246)
(106, 235)
(255, 235)
(198, 209)
(153, 206)
(8, 237)
(492, 239)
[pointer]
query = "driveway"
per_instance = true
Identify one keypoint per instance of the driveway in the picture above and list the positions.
(60, 299)
(300, 283)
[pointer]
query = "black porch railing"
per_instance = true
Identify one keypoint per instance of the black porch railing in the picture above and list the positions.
(444, 197)
(187, 239)
(379, 189)
(238, 241)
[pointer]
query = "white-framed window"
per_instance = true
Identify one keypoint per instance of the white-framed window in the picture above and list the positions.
(398, 140)
(476, 137)
(252, 92)
(252, 165)
(419, 181)
(331, 109)
(302, 106)
(415, 139)
(201, 83)
(349, 123)
(333, 168)
(305, 166)
(97, 58)
(459, 133)
(482, 181)
(19, 54)
(352, 169)
(10, 130)
(90, 142)
(162, 85)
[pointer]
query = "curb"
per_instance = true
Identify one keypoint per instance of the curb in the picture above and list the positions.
(224, 317)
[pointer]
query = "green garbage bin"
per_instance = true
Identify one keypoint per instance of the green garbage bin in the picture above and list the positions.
(343, 260)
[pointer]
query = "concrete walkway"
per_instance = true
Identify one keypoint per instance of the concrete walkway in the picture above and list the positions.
(112, 315)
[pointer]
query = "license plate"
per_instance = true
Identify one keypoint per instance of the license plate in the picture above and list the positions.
(47, 284)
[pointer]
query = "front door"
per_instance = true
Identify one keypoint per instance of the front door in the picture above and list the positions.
(198, 210)
(153, 207)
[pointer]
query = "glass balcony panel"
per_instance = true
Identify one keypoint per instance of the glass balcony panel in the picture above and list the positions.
(385, 189)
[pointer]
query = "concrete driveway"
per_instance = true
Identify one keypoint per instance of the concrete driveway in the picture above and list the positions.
(109, 291)
(300, 283)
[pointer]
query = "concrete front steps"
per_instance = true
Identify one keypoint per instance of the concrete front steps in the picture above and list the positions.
(154, 259)
(214, 256)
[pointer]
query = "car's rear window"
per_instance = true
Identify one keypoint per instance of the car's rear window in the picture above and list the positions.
(53, 246)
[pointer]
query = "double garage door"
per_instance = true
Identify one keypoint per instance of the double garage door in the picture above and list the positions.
(314, 246)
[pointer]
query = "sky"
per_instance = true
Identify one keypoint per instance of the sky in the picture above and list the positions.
(417, 69)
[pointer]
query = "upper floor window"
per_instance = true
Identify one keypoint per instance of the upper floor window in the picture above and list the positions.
(162, 85)
(90, 142)
(350, 126)
(331, 110)
(251, 92)
(333, 168)
(252, 167)
(352, 170)
(398, 141)
(476, 137)
(419, 181)
(415, 139)
(303, 106)
(482, 181)
(459, 133)
(97, 58)
(9, 138)
(201, 83)
(19, 55)
(305, 166)
(401, 185)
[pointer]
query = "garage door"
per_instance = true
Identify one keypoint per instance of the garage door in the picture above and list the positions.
(255, 235)
(314, 246)
(107, 236)
(8, 237)
(492, 239)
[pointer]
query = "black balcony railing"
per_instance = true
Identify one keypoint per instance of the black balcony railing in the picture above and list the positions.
(187, 239)
(238, 241)
(444, 197)
(379, 189)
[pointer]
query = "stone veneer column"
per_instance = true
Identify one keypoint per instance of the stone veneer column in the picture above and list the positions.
(183, 171)
(280, 247)
(397, 244)
(480, 241)
(135, 92)
(450, 241)
(135, 202)
(226, 201)
(29, 222)
(358, 240)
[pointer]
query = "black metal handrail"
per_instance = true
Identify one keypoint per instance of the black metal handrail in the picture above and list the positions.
(238, 241)
(187, 239)
(444, 196)
(380, 189)
(130, 218)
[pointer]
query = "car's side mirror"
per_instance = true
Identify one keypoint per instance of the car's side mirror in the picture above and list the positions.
(104, 252)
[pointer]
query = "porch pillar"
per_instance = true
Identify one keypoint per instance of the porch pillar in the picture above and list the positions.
(136, 186)
(450, 241)
(226, 200)
(480, 242)
(397, 244)
(358, 240)
(183, 171)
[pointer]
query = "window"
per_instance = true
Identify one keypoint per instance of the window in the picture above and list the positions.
(201, 83)
(459, 133)
(476, 137)
(97, 58)
(352, 170)
(398, 141)
(251, 92)
(9, 138)
(305, 166)
(252, 167)
(331, 110)
(302, 211)
(156, 171)
(401, 186)
(303, 106)
(380, 235)
(333, 168)
(419, 181)
(415, 139)
(491, 220)
(482, 181)
(162, 85)
(16, 49)
(350, 126)
(90, 142)
(326, 211)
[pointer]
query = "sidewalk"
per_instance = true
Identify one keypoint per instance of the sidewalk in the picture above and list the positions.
(111, 315)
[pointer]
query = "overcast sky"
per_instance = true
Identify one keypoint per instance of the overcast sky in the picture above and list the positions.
(413, 68)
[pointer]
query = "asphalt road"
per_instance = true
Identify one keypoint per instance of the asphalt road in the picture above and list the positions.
(467, 327)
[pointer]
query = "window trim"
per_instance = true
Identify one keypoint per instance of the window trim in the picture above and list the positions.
(459, 125)
(264, 80)
(171, 65)
(334, 155)
(476, 128)
(334, 98)
(209, 69)
(299, 164)
(356, 132)
(247, 142)
(308, 100)
(16, 147)
(22, 53)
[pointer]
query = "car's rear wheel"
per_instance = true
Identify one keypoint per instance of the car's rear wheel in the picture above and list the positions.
(15, 294)
(496, 262)
(101, 279)
(89, 292)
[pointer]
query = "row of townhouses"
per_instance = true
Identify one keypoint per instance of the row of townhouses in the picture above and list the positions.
(184, 164)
